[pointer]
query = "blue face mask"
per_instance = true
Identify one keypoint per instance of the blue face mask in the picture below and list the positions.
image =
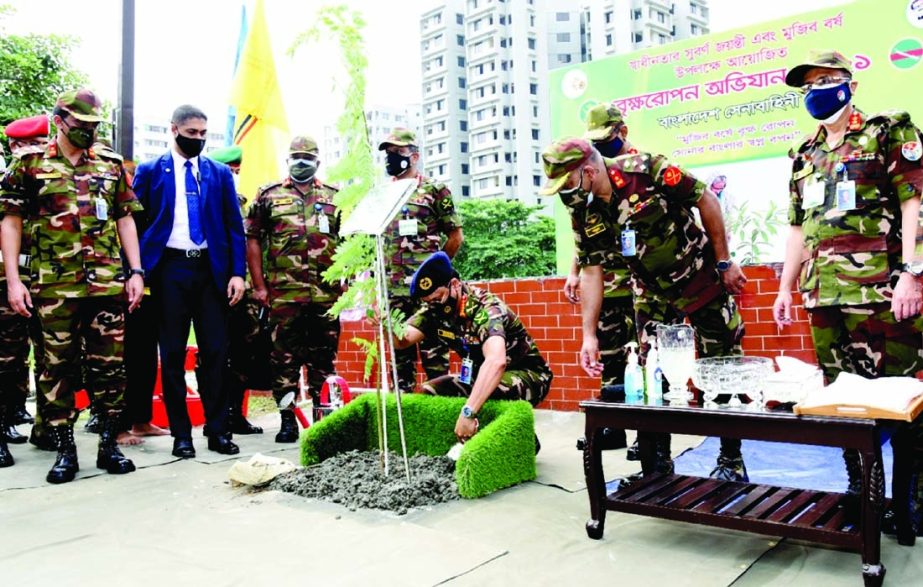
(611, 148)
(823, 103)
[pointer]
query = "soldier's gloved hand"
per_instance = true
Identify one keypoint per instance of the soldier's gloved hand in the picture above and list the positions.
(734, 279)
(572, 288)
(19, 298)
(907, 298)
(782, 309)
(589, 357)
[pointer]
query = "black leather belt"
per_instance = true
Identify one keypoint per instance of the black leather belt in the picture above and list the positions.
(188, 253)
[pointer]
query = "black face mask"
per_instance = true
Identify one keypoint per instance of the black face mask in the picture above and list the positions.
(80, 137)
(610, 149)
(397, 164)
(189, 146)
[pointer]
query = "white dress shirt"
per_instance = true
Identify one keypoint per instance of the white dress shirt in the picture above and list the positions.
(179, 236)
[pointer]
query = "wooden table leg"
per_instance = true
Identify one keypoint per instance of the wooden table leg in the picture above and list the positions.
(595, 483)
(873, 491)
(902, 492)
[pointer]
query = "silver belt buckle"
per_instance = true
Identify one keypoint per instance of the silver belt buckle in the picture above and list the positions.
(193, 253)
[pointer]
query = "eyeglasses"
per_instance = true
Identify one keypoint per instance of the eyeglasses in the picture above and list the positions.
(824, 82)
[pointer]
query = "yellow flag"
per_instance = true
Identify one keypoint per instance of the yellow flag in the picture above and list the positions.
(261, 128)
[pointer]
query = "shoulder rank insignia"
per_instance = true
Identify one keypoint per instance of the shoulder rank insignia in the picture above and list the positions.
(672, 176)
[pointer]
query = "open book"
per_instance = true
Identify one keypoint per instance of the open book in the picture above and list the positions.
(854, 396)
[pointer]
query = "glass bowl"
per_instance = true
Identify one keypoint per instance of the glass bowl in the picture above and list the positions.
(732, 375)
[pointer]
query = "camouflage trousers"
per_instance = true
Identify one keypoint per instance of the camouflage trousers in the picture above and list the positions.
(84, 341)
(718, 328)
(14, 355)
(615, 329)
(531, 385)
(302, 335)
(434, 353)
(866, 340)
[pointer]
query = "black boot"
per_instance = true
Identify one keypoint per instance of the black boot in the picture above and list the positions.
(20, 415)
(6, 458)
(238, 424)
(108, 456)
(288, 432)
(633, 454)
(8, 429)
(65, 466)
(92, 425)
(730, 466)
(663, 462)
(41, 439)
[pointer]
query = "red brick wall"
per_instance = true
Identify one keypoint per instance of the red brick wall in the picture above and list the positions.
(555, 325)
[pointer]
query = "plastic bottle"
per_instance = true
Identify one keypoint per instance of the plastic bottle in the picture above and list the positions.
(634, 376)
(653, 376)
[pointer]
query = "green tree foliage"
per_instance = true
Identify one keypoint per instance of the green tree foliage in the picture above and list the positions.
(34, 71)
(505, 239)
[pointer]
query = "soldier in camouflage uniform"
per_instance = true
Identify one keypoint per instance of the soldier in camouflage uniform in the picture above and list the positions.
(248, 342)
(854, 216)
(79, 206)
(296, 225)
(499, 358)
(25, 135)
(680, 271)
(414, 234)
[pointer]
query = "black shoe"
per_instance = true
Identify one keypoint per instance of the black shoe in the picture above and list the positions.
(92, 425)
(222, 444)
(730, 469)
(41, 439)
(108, 456)
(6, 458)
(8, 430)
(20, 415)
(633, 453)
(237, 424)
(627, 482)
(182, 448)
(611, 439)
(65, 466)
(288, 431)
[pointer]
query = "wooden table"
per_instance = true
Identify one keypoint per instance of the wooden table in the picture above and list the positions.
(824, 517)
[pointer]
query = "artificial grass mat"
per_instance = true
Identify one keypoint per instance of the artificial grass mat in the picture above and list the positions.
(501, 454)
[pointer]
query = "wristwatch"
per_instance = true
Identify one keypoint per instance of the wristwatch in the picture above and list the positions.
(914, 268)
(723, 266)
(140, 272)
(467, 412)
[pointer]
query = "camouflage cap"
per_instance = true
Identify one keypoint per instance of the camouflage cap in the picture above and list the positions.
(303, 144)
(559, 159)
(399, 137)
(82, 104)
(229, 155)
(818, 58)
(601, 121)
(432, 274)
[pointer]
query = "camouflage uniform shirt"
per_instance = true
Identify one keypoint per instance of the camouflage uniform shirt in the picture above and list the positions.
(432, 208)
(70, 213)
(674, 259)
(594, 239)
(853, 256)
(482, 315)
(297, 252)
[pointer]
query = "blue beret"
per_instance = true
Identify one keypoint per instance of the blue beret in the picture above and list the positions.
(433, 273)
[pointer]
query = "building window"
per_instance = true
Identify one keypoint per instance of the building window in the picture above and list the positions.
(502, 19)
(534, 134)
(608, 17)
(460, 19)
(461, 40)
(533, 89)
(563, 37)
(463, 147)
(531, 43)
(562, 16)
(508, 157)
(464, 168)
(564, 58)
(609, 40)
(534, 111)
(638, 37)
(463, 125)
(694, 28)
(661, 17)
(636, 14)
(466, 191)
(536, 180)
(461, 61)
(509, 181)
(462, 104)
(461, 82)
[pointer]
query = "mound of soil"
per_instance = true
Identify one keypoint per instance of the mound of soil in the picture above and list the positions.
(356, 480)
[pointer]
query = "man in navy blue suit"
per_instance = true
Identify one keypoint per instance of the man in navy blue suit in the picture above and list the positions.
(194, 251)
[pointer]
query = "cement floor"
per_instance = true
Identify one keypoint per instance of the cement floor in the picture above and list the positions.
(180, 523)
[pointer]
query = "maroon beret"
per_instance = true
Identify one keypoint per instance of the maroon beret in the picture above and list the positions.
(28, 128)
